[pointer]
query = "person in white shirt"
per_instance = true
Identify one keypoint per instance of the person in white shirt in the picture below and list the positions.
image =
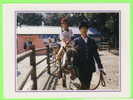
(65, 37)
(66, 33)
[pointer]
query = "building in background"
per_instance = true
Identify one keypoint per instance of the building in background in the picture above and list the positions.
(39, 36)
(25, 41)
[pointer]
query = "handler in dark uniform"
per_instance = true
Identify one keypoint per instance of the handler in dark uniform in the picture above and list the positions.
(86, 56)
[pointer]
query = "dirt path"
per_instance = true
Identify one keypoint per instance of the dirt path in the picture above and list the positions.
(111, 67)
(109, 61)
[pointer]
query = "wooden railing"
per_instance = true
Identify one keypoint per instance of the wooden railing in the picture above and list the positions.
(32, 54)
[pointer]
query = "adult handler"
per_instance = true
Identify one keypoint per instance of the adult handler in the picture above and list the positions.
(86, 57)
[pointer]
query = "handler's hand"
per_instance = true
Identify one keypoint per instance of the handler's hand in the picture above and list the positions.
(102, 70)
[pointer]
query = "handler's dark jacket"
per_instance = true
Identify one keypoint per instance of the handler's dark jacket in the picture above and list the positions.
(86, 56)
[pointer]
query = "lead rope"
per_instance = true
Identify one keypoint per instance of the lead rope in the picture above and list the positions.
(101, 81)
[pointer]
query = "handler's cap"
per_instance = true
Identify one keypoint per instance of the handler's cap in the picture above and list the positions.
(83, 24)
(64, 21)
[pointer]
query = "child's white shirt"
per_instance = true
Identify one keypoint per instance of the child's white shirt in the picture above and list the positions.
(66, 36)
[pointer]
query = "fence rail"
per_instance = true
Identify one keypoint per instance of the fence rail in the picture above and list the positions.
(33, 73)
(22, 56)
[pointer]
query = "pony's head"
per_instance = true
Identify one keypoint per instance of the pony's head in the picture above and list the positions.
(71, 54)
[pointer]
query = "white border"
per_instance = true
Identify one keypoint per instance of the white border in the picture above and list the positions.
(9, 48)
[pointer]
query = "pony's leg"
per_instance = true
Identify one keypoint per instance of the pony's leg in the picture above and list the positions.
(64, 81)
(73, 74)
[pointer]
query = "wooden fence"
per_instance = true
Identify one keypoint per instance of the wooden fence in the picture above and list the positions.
(32, 54)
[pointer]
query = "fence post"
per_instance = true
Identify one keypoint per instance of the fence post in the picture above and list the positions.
(48, 59)
(33, 63)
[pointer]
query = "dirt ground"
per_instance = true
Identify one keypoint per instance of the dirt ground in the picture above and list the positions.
(109, 61)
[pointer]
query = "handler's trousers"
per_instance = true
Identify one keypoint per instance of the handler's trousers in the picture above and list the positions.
(85, 80)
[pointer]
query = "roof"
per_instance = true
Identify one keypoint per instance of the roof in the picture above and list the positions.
(44, 30)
